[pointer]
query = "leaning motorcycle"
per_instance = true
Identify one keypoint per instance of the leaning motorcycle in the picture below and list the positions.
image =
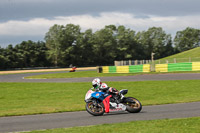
(98, 103)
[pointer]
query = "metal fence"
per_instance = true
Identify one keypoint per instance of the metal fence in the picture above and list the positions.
(177, 60)
(162, 61)
(131, 62)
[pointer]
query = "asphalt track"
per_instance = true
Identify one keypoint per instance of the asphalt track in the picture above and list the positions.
(71, 119)
(177, 76)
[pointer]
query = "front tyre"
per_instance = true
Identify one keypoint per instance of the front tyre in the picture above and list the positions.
(95, 110)
(133, 107)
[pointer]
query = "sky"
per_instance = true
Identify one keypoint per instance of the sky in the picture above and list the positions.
(22, 20)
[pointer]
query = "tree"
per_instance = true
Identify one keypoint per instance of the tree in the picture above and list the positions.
(154, 40)
(3, 59)
(59, 41)
(54, 41)
(31, 54)
(187, 39)
(10, 56)
(104, 46)
(69, 44)
(40, 54)
(83, 50)
(127, 47)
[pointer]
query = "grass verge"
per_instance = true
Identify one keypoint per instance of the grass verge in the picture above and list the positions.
(186, 125)
(37, 98)
(81, 74)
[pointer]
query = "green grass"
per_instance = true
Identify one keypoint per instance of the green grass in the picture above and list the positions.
(82, 74)
(193, 54)
(36, 98)
(185, 125)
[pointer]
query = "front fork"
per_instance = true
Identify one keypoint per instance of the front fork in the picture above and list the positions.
(95, 103)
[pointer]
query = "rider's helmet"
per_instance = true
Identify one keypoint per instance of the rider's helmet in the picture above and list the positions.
(96, 83)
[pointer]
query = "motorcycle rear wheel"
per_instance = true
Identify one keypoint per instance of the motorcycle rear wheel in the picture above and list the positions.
(95, 110)
(133, 107)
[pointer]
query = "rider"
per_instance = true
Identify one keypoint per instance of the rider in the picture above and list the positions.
(97, 84)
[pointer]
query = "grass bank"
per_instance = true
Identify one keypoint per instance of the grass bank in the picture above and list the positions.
(186, 125)
(192, 55)
(36, 98)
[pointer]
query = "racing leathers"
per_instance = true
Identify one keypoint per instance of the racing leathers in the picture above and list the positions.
(111, 91)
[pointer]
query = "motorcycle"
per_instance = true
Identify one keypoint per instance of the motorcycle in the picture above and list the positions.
(98, 103)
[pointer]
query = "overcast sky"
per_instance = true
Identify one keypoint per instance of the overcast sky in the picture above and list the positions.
(22, 20)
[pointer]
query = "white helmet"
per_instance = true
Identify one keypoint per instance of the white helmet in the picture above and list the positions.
(96, 83)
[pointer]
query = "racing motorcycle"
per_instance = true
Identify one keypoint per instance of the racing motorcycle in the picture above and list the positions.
(98, 103)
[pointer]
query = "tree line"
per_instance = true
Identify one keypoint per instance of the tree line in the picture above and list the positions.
(65, 45)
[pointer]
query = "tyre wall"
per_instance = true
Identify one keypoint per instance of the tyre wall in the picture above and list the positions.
(188, 66)
(126, 69)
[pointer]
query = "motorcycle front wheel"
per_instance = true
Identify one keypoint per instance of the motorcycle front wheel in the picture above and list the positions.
(95, 110)
(133, 107)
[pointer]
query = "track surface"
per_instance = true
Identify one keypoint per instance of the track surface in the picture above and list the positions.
(180, 76)
(71, 119)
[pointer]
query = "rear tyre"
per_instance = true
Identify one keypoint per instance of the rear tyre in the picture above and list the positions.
(95, 110)
(133, 107)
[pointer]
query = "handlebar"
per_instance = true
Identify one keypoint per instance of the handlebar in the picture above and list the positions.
(94, 89)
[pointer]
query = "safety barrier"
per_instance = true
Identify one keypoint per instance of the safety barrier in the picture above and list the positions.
(188, 66)
(126, 69)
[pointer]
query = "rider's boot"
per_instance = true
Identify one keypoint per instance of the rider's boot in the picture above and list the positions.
(119, 98)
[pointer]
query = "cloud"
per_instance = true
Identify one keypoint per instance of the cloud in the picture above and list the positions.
(39, 26)
(32, 18)
(29, 9)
